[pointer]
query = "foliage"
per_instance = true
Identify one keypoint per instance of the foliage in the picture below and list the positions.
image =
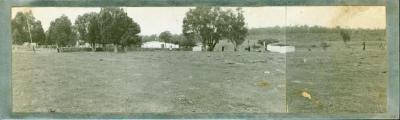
(88, 28)
(267, 41)
(183, 41)
(24, 27)
(236, 31)
(93, 28)
(115, 26)
(130, 38)
(166, 37)
(211, 24)
(179, 39)
(61, 32)
(148, 38)
(206, 22)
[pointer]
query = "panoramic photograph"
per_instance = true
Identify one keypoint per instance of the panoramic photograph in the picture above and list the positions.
(199, 59)
(341, 64)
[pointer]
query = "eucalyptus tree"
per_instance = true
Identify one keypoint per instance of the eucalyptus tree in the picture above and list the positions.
(236, 31)
(61, 32)
(115, 24)
(203, 21)
(212, 24)
(25, 28)
(88, 29)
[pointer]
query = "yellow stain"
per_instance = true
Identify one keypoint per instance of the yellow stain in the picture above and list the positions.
(306, 95)
(263, 83)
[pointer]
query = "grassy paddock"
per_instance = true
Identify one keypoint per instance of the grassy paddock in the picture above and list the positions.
(146, 81)
(340, 79)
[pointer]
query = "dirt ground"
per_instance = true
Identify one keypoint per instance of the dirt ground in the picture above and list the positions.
(143, 82)
(338, 80)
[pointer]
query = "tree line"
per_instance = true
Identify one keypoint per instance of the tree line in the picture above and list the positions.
(168, 37)
(109, 26)
(112, 25)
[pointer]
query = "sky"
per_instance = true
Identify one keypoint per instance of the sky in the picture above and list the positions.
(154, 20)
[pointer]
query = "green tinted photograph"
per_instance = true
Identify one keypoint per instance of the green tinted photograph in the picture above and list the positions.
(199, 59)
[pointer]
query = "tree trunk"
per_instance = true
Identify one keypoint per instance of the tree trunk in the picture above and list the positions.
(115, 48)
(104, 47)
(125, 48)
(58, 49)
(93, 47)
(234, 46)
(212, 46)
(204, 47)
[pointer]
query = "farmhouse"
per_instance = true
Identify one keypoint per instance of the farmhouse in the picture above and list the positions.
(281, 48)
(158, 44)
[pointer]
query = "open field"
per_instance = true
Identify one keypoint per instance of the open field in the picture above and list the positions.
(142, 82)
(339, 80)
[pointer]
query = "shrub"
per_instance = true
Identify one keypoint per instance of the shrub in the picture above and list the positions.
(324, 45)
(313, 46)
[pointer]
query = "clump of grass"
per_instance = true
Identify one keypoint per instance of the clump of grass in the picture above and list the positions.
(263, 83)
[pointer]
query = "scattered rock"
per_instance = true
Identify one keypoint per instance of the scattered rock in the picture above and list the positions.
(267, 72)
(183, 100)
(384, 72)
(101, 59)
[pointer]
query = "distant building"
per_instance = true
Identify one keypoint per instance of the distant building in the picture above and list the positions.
(281, 48)
(225, 44)
(198, 47)
(82, 44)
(27, 44)
(158, 44)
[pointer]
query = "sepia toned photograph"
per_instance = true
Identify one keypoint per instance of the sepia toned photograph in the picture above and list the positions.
(199, 59)
(147, 60)
(340, 63)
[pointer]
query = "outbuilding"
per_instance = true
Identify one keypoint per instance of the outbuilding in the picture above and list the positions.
(158, 44)
(281, 48)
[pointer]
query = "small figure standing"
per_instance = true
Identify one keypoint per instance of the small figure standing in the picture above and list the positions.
(363, 46)
(223, 48)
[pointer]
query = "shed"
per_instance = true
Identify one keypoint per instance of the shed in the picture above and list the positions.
(158, 44)
(281, 48)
